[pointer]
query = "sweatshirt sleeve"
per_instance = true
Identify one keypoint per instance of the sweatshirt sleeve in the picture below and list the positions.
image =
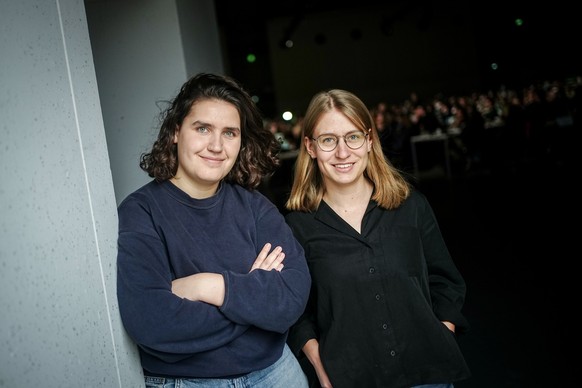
(271, 300)
(160, 322)
(305, 328)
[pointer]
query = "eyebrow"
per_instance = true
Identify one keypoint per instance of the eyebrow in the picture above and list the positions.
(331, 133)
(205, 124)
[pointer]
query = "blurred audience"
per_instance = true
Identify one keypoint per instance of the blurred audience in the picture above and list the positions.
(489, 129)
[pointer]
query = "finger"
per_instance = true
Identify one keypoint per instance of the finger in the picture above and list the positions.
(261, 256)
(277, 264)
(273, 259)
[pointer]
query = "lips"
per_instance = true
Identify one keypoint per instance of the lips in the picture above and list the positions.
(212, 159)
(345, 165)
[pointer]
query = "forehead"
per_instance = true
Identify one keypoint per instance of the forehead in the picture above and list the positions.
(217, 112)
(334, 122)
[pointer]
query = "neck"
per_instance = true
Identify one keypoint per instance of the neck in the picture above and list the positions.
(347, 197)
(193, 190)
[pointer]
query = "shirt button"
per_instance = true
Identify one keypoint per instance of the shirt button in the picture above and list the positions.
(372, 270)
(378, 296)
(384, 326)
(392, 353)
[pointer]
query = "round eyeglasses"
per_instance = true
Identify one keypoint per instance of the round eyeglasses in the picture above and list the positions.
(328, 142)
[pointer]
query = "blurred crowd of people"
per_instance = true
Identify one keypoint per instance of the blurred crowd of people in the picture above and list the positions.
(487, 130)
(497, 128)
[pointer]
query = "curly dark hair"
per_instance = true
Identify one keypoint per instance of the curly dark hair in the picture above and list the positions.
(259, 147)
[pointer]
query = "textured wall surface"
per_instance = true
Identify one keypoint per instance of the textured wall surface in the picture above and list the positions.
(59, 322)
(58, 229)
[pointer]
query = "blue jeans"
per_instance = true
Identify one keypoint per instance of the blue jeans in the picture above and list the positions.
(285, 373)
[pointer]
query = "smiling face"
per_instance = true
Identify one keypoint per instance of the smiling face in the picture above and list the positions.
(343, 166)
(208, 141)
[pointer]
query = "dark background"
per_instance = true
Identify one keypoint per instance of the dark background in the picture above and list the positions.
(471, 36)
(511, 225)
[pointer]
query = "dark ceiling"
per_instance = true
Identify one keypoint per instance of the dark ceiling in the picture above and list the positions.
(553, 30)
(243, 25)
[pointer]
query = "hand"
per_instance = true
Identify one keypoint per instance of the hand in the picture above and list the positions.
(449, 325)
(203, 287)
(269, 260)
(182, 287)
(311, 351)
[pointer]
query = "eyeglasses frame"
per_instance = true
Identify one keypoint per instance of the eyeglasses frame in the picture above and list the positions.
(342, 137)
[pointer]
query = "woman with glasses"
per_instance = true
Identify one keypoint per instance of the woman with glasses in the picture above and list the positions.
(386, 296)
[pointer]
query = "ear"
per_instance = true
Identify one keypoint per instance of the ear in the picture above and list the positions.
(310, 147)
(176, 131)
(369, 140)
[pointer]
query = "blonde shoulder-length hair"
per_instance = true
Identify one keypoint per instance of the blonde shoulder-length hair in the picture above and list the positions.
(390, 186)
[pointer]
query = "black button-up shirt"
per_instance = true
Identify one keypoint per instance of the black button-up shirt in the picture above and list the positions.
(378, 298)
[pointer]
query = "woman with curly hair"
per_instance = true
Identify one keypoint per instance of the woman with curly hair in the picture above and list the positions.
(210, 277)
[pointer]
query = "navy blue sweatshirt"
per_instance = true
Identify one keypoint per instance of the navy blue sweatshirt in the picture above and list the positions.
(165, 234)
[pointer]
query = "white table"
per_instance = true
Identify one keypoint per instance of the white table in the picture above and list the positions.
(442, 137)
